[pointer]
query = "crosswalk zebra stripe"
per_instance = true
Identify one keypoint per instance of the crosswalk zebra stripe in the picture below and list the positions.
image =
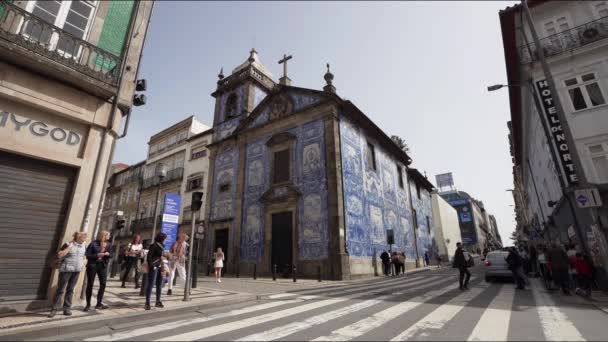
(227, 327)
(499, 310)
(555, 323)
(438, 318)
(223, 328)
(366, 285)
(295, 327)
(378, 319)
(174, 325)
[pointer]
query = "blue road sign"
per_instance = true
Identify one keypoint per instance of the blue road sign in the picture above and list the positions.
(170, 218)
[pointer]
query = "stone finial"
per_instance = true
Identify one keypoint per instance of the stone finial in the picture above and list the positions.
(329, 77)
(252, 53)
(221, 74)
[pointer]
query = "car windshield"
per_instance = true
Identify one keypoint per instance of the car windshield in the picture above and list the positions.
(497, 257)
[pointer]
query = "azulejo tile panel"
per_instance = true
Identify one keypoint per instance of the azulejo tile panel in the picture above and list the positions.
(374, 200)
(225, 173)
(310, 179)
(426, 236)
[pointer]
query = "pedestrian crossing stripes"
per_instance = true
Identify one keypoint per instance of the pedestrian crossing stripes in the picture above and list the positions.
(418, 308)
(440, 316)
(223, 328)
(499, 310)
(554, 323)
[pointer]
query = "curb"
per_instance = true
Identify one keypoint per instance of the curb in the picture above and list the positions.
(93, 323)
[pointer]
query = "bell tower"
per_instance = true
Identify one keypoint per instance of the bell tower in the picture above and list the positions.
(239, 93)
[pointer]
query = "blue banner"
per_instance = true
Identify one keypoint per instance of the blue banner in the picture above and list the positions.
(170, 218)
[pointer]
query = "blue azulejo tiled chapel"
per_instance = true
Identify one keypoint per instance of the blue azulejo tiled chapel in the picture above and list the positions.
(302, 179)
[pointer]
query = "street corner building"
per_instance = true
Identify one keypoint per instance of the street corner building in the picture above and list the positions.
(302, 179)
(67, 79)
(573, 39)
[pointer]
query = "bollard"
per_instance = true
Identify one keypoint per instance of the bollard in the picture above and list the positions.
(255, 271)
(319, 272)
(274, 272)
(194, 275)
(208, 268)
(294, 273)
(144, 285)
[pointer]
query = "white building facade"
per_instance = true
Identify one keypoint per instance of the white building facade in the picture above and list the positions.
(573, 39)
(447, 228)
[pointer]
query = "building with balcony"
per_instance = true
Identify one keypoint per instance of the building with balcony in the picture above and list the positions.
(196, 173)
(181, 150)
(67, 79)
(573, 37)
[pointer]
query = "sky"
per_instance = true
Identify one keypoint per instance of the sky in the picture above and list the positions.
(417, 69)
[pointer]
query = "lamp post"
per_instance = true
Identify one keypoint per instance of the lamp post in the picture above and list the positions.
(161, 173)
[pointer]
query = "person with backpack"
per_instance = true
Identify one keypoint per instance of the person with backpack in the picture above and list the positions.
(559, 265)
(516, 262)
(71, 258)
(461, 262)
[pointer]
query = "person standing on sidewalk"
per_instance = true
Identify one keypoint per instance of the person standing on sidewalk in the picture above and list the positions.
(132, 254)
(461, 263)
(72, 256)
(219, 264)
(426, 259)
(386, 262)
(401, 257)
(98, 253)
(179, 251)
(155, 260)
(558, 259)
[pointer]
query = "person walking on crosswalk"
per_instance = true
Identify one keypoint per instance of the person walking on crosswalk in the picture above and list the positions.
(462, 264)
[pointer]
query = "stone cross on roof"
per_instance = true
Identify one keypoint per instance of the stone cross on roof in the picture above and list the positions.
(285, 80)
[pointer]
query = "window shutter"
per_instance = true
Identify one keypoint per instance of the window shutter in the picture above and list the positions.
(115, 29)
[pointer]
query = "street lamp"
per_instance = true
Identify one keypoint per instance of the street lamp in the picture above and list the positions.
(499, 86)
(161, 173)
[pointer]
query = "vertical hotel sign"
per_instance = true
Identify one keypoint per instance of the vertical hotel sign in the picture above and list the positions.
(170, 218)
(559, 138)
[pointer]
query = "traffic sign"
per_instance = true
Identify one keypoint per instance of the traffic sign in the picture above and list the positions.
(588, 198)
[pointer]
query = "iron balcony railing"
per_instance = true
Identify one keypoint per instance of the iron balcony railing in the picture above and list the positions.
(33, 33)
(177, 173)
(566, 41)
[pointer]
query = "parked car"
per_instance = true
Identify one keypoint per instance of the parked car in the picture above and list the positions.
(496, 266)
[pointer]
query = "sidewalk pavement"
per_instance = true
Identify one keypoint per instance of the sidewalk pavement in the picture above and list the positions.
(126, 304)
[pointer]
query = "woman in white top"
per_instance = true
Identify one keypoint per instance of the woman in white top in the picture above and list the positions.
(132, 254)
(219, 264)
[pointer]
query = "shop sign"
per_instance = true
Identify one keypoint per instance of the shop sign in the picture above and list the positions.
(38, 128)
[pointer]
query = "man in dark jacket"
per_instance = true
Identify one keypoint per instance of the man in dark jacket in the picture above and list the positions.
(386, 262)
(515, 262)
(462, 264)
(559, 267)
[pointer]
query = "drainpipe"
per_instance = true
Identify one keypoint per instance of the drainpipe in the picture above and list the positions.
(409, 187)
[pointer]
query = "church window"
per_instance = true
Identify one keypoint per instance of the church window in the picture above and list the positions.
(371, 156)
(428, 225)
(418, 190)
(400, 175)
(231, 105)
(224, 187)
(281, 166)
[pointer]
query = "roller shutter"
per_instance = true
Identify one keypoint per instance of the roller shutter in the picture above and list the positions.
(34, 199)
